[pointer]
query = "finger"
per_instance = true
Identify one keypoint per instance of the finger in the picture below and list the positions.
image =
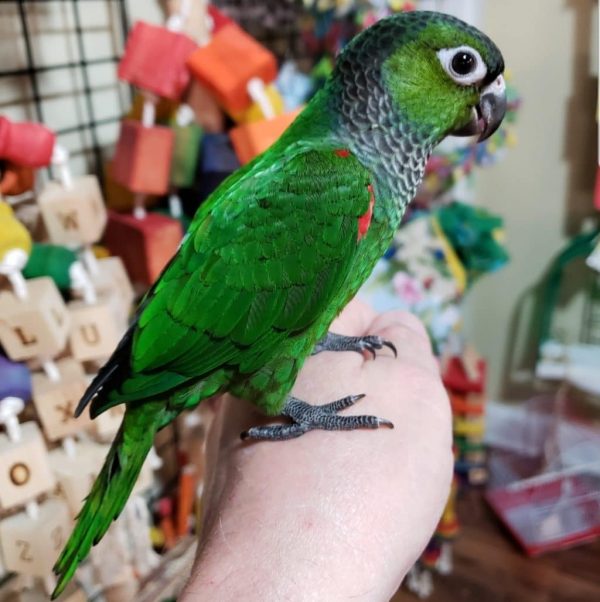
(354, 320)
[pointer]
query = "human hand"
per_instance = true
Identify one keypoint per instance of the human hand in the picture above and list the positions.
(330, 515)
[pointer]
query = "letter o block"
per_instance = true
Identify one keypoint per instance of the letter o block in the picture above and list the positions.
(94, 332)
(74, 215)
(34, 327)
(30, 547)
(24, 469)
(55, 401)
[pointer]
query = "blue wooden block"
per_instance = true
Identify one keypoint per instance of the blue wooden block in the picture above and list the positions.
(15, 379)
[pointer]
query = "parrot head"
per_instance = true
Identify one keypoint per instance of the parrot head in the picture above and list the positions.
(443, 76)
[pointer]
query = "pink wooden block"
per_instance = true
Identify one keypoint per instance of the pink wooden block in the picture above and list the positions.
(26, 144)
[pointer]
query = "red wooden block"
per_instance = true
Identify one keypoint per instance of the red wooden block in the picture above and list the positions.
(154, 60)
(456, 379)
(145, 245)
(142, 160)
(219, 19)
(229, 62)
(15, 179)
(26, 144)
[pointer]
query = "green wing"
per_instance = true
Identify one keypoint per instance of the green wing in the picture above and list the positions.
(262, 261)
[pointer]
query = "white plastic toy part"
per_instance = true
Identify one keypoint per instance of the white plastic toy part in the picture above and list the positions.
(10, 408)
(11, 265)
(185, 115)
(257, 92)
(60, 158)
(82, 283)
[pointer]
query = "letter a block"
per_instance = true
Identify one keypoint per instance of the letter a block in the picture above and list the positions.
(55, 401)
(37, 326)
(94, 332)
(74, 215)
(31, 546)
(24, 469)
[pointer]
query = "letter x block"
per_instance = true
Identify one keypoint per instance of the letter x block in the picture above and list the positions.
(228, 63)
(24, 469)
(144, 245)
(94, 331)
(154, 60)
(55, 401)
(37, 326)
(30, 547)
(74, 215)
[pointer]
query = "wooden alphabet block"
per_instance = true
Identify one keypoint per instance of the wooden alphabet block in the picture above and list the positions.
(107, 424)
(74, 215)
(154, 60)
(30, 547)
(113, 284)
(144, 245)
(24, 469)
(142, 159)
(94, 333)
(27, 144)
(55, 401)
(251, 139)
(228, 62)
(37, 326)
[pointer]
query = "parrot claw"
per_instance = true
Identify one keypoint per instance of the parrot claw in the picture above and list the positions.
(339, 342)
(306, 417)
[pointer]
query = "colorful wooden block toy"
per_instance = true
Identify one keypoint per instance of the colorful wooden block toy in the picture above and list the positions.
(26, 144)
(15, 179)
(228, 63)
(73, 215)
(251, 139)
(207, 111)
(186, 148)
(155, 60)
(15, 379)
(55, 401)
(217, 161)
(34, 327)
(144, 245)
(24, 469)
(142, 160)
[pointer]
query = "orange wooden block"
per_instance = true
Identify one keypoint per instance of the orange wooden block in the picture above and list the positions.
(24, 469)
(74, 215)
(229, 62)
(31, 546)
(118, 197)
(144, 245)
(55, 401)
(206, 109)
(472, 404)
(15, 179)
(37, 326)
(251, 139)
(94, 333)
(142, 160)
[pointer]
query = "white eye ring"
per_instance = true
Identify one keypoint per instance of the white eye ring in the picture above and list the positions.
(446, 55)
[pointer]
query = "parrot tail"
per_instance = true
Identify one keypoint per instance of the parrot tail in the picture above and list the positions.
(112, 487)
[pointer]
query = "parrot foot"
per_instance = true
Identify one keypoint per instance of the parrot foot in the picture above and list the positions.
(307, 417)
(339, 342)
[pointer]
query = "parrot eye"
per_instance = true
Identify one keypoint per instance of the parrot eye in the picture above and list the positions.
(463, 64)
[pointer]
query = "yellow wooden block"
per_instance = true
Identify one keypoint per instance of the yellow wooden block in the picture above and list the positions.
(24, 469)
(94, 332)
(31, 546)
(34, 327)
(55, 401)
(254, 113)
(75, 215)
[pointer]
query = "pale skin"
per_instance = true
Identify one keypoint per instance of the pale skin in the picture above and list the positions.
(331, 515)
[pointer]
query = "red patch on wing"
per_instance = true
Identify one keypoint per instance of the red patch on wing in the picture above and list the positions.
(342, 152)
(364, 221)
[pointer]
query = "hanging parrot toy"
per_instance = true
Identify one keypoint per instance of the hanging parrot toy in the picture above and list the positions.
(278, 250)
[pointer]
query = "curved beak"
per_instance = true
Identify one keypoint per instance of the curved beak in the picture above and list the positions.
(488, 113)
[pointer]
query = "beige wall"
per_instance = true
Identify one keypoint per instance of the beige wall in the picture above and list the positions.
(543, 187)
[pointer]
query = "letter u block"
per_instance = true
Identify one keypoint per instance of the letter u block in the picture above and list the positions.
(74, 215)
(94, 332)
(55, 401)
(228, 63)
(31, 546)
(24, 469)
(37, 326)
(154, 60)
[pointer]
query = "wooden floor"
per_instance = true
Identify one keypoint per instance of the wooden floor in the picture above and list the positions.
(488, 567)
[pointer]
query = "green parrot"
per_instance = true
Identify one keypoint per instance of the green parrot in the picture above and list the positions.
(277, 251)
